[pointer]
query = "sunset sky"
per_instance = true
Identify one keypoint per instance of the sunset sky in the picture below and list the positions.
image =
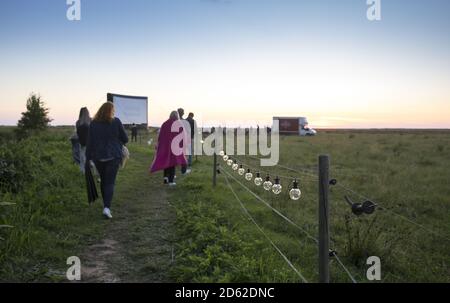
(235, 62)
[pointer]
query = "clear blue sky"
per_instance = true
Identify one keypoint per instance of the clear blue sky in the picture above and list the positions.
(233, 60)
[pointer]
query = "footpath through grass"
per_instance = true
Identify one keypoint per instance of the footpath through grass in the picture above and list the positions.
(137, 245)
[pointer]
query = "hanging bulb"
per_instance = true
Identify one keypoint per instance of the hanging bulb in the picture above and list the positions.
(295, 192)
(235, 165)
(229, 162)
(248, 175)
(222, 153)
(267, 184)
(276, 188)
(258, 179)
(241, 170)
(225, 157)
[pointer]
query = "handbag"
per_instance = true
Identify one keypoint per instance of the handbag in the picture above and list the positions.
(90, 184)
(125, 155)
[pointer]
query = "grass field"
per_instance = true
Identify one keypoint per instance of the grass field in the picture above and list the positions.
(197, 233)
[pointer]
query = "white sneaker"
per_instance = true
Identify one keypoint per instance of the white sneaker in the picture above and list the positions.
(107, 213)
(188, 171)
(172, 184)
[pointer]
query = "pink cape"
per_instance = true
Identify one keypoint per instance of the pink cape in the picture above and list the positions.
(164, 157)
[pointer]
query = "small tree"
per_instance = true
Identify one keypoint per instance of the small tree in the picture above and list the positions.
(35, 119)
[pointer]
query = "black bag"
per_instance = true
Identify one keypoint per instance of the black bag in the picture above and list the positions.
(90, 184)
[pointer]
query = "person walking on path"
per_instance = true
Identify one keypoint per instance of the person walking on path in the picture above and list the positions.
(185, 169)
(134, 133)
(193, 126)
(82, 128)
(106, 140)
(169, 155)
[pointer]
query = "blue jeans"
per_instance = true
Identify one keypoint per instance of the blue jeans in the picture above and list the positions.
(108, 173)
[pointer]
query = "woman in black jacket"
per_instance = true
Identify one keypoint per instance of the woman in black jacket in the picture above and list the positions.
(82, 125)
(106, 139)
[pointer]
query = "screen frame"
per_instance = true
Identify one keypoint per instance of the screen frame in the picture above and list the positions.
(110, 98)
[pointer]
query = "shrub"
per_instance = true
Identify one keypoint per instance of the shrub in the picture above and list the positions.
(35, 119)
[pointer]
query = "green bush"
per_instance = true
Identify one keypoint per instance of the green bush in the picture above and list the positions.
(35, 119)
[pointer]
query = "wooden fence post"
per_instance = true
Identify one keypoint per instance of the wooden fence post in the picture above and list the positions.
(215, 170)
(324, 236)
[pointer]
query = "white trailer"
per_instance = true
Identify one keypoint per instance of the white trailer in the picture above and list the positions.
(295, 126)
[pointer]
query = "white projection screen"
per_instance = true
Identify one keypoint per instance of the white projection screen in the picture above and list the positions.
(130, 109)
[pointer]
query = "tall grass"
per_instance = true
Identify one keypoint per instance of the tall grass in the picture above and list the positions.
(38, 175)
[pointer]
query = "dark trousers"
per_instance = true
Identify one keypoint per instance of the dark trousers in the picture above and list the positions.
(134, 137)
(184, 169)
(169, 173)
(108, 173)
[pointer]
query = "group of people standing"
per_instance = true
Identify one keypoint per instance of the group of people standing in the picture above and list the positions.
(102, 140)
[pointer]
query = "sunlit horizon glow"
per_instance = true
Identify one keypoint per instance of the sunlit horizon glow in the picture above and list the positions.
(232, 63)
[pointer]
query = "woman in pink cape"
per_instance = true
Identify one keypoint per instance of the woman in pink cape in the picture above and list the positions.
(169, 149)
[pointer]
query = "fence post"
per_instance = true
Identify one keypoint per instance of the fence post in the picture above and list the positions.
(213, 130)
(324, 237)
(215, 170)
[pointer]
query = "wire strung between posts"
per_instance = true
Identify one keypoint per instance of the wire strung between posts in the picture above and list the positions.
(280, 176)
(394, 213)
(265, 235)
(289, 168)
(309, 172)
(274, 209)
(344, 267)
(292, 223)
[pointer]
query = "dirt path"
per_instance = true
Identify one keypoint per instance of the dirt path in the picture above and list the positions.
(137, 244)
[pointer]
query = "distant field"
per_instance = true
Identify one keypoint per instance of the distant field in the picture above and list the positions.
(405, 171)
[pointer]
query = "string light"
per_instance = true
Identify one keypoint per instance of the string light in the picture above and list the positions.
(241, 170)
(222, 153)
(295, 193)
(230, 162)
(277, 188)
(225, 158)
(235, 166)
(248, 175)
(258, 180)
(267, 184)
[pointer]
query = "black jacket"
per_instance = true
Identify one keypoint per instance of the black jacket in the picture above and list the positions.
(83, 132)
(105, 140)
(192, 124)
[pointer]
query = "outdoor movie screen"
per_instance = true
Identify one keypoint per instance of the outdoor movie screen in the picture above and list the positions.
(130, 109)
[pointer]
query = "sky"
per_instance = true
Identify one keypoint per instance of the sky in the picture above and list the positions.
(232, 62)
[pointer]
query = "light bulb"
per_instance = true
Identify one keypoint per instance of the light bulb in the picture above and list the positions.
(258, 180)
(267, 184)
(225, 158)
(248, 175)
(235, 166)
(229, 162)
(276, 188)
(222, 153)
(241, 170)
(295, 192)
